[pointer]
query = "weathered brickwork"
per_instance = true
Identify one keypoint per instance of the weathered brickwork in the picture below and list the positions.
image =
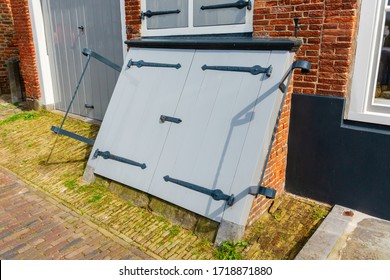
(133, 22)
(7, 44)
(327, 29)
(25, 44)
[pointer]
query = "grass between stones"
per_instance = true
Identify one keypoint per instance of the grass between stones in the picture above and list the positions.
(56, 163)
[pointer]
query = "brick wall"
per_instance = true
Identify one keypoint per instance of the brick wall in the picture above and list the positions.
(7, 44)
(133, 22)
(327, 29)
(24, 41)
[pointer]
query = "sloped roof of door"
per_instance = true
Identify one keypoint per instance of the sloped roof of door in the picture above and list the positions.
(218, 43)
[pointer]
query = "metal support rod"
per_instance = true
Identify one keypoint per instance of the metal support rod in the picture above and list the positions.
(305, 66)
(80, 138)
(89, 52)
(215, 194)
(75, 92)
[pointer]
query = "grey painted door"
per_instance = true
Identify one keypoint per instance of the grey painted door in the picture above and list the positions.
(222, 141)
(70, 26)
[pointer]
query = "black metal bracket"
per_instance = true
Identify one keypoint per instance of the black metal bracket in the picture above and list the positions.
(239, 5)
(150, 13)
(296, 27)
(108, 155)
(215, 194)
(164, 119)
(91, 53)
(299, 64)
(267, 192)
(141, 63)
(69, 134)
(254, 70)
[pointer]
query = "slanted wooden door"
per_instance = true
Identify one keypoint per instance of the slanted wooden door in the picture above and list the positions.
(71, 26)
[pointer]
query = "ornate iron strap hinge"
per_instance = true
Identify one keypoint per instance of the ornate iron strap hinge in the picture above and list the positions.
(108, 155)
(141, 63)
(215, 194)
(150, 13)
(239, 5)
(254, 70)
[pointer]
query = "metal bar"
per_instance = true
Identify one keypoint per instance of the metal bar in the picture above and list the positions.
(91, 53)
(108, 155)
(141, 63)
(164, 118)
(150, 13)
(239, 5)
(305, 66)
(215, 194)
(254, 70)
(60, 131)
(75, 92)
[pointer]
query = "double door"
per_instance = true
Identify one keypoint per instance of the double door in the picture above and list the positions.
(216, 129)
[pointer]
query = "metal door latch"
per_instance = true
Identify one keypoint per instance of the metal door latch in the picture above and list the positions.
(239, 5)
(89, 106)
(215, 194)
(141, 63)
(108, 155)
(254, 70)
(164, 119)
(149, 13)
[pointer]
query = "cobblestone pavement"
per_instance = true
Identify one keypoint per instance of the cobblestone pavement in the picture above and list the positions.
(34, 226)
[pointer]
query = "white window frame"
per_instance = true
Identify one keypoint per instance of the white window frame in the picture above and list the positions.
(191, 30)
(362, 104)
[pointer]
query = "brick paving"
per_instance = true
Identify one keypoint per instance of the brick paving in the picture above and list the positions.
(32, 226)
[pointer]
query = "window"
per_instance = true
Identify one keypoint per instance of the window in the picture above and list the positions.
(370, 95)
(190, 17)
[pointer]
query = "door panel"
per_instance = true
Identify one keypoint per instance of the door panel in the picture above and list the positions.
(70, 27)
(173, 20)
(223, 16)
